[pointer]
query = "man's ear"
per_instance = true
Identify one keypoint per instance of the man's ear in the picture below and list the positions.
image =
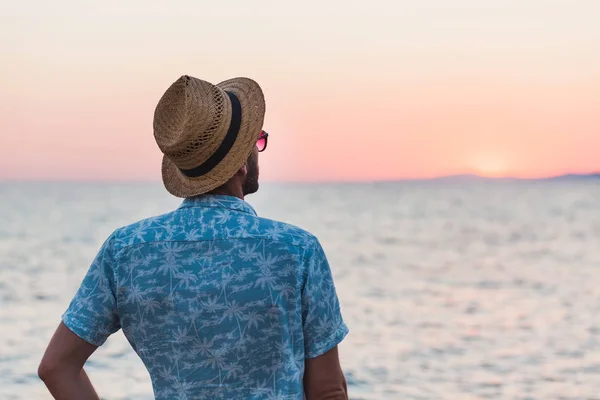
(243, 171)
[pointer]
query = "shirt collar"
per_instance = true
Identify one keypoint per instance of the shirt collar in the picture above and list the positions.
(219, 201)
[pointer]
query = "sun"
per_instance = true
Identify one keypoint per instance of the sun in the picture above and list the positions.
(491, 166)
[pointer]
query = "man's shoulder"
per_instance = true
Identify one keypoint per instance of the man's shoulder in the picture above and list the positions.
(286, 232)
(145, 230)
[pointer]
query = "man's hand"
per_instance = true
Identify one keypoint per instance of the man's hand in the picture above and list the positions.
(61, 368)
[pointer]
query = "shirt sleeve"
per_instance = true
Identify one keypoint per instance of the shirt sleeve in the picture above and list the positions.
(92, 314)
(323, 325)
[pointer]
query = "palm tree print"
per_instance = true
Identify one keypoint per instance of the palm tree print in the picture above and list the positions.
(216, 301)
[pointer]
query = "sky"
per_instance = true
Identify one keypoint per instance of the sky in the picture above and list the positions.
(370, 90)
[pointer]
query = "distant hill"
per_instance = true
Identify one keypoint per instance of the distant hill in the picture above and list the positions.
(474, 177)
(595, 175)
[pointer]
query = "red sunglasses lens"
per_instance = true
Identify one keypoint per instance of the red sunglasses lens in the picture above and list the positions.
(261, 143)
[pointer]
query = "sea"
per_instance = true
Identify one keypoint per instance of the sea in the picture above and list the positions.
(452, 289)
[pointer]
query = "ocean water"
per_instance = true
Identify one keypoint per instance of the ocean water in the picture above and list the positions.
(472, 290)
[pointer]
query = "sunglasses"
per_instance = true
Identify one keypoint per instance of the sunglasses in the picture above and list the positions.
(261, 143)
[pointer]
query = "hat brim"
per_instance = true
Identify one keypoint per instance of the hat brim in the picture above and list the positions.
(252, 101)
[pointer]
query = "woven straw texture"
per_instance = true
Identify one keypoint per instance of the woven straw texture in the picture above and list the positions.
(190, 122)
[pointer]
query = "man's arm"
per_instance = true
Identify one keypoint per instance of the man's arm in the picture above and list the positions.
(324, 379)
(323, 328)
(61, 368)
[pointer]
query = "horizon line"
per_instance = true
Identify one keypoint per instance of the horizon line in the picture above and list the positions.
(326, 181)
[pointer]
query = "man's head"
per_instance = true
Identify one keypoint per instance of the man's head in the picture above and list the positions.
(209, 136)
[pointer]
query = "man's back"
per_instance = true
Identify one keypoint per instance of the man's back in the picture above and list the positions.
(217, 302)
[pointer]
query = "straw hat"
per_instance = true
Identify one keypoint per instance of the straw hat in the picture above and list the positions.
(206, 132)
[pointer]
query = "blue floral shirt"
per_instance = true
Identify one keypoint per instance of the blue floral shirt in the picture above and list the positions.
(217, 302)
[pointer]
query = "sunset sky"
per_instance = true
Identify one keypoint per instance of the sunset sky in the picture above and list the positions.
(355, 90)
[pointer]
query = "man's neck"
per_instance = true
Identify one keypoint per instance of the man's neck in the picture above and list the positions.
(225, 191)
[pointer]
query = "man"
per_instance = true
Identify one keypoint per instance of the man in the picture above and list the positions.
(216, 301)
